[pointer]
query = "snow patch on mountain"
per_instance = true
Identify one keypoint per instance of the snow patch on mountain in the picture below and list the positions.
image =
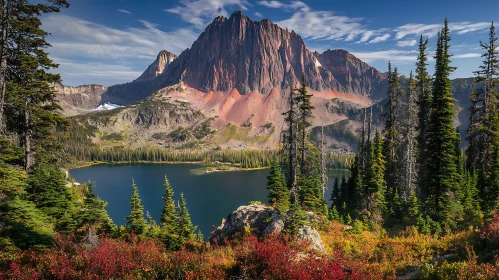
(107, 106)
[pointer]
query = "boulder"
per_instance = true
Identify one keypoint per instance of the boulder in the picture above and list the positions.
(263, 220)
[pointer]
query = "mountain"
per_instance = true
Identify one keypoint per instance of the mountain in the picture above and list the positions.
(253, 56)
(164, 59)
(80, 99)
(233, 84)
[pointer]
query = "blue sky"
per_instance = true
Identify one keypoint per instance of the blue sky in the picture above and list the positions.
(113, 41)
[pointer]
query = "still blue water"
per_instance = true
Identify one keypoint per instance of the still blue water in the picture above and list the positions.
(210, 197)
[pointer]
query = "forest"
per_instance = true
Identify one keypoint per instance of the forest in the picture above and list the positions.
(416, 203)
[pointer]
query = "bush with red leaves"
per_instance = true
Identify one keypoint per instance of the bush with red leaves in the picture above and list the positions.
(273, 258)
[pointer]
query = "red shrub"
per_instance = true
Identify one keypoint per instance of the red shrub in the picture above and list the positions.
(490, 231)
(272, 258)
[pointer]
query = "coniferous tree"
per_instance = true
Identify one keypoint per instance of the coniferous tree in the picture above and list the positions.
(169, 219)
(309, 182)
(30, 99)
(409, 144)
(136, 221)
(291, 147)
(423, 89)
(278, 192)
(186, 229)
(483, 132)
(93, 213)
(303, 100)
(335, 194)
(443, 176)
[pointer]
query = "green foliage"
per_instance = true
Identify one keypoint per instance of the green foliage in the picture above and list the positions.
(169, 219)
(186, 229)
(443, 177)
(278, 192)
(112, 137)
(135, 221)
(93, 213)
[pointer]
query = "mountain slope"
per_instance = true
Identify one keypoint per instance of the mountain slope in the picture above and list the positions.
(254, 56)
(80, 99)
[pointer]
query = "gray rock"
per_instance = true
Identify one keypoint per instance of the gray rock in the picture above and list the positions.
(263, 220)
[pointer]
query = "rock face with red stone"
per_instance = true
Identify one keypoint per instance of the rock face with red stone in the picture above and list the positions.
(164, 59)
(252, 56)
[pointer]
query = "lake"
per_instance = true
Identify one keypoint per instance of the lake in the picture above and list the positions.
(210, 197)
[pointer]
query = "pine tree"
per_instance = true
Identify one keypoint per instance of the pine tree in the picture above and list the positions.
(335, 194)
(375, 187)
(93, 213)
(291, 147)
(186, 229)
(423, 88)
(309, 182)
(483, 132)
(278, 192)
(136, 221)
(409, 144)
(32, 107)
(170, 220)
(305, 108)
(391, 134)
(443, 175)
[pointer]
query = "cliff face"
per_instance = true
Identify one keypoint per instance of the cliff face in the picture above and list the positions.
(164, 59)
(251, 56)
(80, 99)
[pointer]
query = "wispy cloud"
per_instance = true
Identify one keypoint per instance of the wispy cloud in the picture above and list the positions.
(128, 49)
(293, 5)
(380, 39)
(407, 43)
(430, 30)
(467, 55)
(388, 55)
(257, 14)
(200, 12)
(125, 11)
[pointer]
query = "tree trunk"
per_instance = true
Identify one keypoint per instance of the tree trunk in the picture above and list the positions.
(3, 58)
(28, 151)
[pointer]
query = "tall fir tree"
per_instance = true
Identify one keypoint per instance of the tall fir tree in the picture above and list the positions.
(278, 192)
(424, 97)
(169, 219)
(443, 175)
(409, 144)
(135, 221)
(186, 229)
(483, 132)
(291, 144)
(303, 100)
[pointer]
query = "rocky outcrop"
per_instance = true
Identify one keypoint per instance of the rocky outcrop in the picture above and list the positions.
(80, 99)
(263, 220)
(164, 59)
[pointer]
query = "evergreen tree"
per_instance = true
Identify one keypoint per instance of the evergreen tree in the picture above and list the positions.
(93, 213)
(443, 175)
(303, 100)
(170, 220)
(423, 88)
(335, 194)
(391, 135)
(291, 147)
(309, 182)
(31, 104)
(483, 132)
(186, 229)
(136, 221)
(47, 189)
(409, 144)
(375, 188)
(278, 192)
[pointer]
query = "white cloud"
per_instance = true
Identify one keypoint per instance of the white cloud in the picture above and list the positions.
(95, 53)
(379, 39)
(200, 12)
(365, 37)
(467, 55)
(388, 55)
(407, 43)
(257, 14)
(430, 30)
(125, 11)
(294, 5)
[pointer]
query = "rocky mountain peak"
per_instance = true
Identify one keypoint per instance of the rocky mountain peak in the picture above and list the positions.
(163, 60)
